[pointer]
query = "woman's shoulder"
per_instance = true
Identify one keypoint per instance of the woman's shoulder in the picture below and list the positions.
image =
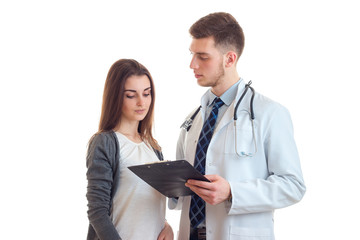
(103, 144)
(103, 137)
(106, 139)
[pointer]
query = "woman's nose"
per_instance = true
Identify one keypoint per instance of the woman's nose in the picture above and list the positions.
(140, 101)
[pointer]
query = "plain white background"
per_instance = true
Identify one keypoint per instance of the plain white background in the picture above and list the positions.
(54, 57)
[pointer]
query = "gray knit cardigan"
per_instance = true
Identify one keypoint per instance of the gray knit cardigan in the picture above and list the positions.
(103, 176)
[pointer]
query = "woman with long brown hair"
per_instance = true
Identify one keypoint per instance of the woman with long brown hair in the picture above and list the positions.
(121, 205)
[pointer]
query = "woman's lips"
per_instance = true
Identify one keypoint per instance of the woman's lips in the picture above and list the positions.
(140, 111)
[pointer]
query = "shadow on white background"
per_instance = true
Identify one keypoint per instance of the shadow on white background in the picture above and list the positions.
(54, 59)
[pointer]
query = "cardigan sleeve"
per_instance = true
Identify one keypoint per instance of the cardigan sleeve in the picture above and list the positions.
(99, 161)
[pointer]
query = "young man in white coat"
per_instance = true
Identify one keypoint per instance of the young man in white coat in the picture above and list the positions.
(252, 164)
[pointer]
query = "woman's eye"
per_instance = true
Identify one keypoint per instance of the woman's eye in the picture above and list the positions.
(146, 94)
(130, 97)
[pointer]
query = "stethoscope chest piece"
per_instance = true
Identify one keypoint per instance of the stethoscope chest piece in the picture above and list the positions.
(188, 122)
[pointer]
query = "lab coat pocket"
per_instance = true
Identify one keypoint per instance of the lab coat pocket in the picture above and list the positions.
(240, 138)
(238, 233)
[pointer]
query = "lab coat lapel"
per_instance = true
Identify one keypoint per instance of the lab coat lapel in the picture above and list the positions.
(227, 117)
(229, 114)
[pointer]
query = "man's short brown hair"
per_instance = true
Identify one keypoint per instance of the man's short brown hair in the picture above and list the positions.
(223, 27)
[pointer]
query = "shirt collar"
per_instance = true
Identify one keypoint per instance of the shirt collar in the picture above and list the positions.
(227, 97)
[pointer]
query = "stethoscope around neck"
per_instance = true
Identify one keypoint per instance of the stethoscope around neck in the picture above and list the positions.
(188, 122)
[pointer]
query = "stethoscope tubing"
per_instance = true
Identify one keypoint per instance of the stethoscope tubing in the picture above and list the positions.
(247, 86)
(188, 123)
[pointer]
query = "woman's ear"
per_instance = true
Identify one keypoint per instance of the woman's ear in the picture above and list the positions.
(231, 58)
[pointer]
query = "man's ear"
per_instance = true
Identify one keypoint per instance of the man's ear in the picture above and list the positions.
(230, 59)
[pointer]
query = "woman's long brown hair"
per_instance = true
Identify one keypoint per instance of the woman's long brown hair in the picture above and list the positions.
(113, 98)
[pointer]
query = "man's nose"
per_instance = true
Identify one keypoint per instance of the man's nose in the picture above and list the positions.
(193, 63)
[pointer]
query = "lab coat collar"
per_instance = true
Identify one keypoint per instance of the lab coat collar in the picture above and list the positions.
(209, 97)
(229, 114)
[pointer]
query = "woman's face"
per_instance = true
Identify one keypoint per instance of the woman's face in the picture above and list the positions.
(137, 98)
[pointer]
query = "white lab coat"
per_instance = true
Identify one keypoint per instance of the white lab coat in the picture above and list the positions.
(271, 179)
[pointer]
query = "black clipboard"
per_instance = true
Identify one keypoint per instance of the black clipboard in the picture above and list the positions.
(168, 177)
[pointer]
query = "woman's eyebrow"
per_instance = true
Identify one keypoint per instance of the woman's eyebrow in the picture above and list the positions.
(130, 90)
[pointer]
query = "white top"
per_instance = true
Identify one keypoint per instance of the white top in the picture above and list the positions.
(138, 210)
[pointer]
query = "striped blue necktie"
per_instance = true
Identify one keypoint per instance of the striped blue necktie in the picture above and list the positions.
(197, 207)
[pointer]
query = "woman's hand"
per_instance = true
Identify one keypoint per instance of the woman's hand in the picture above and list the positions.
(166, 233)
